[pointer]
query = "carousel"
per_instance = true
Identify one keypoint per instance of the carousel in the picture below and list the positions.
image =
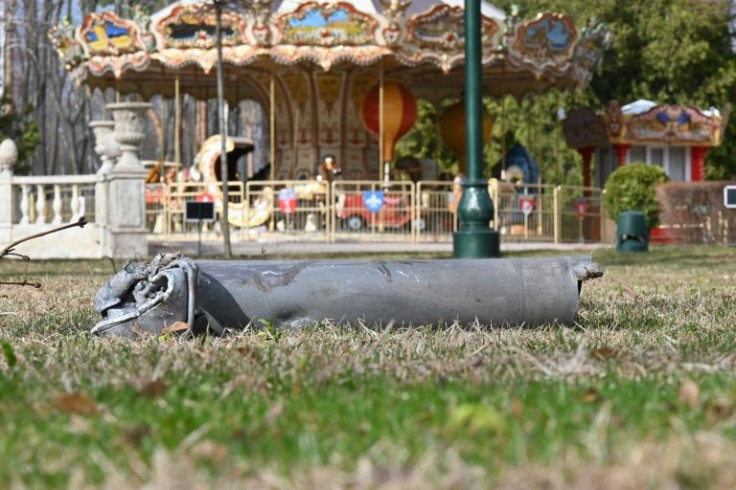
(336, 78)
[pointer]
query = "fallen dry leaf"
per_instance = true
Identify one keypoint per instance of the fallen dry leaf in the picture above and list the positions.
(605, 352)
(155, 388)
(209, 450)
(176, 327)
(76, 404)
(689, 393)
(591, 395)
(135, 435)
(516, 408)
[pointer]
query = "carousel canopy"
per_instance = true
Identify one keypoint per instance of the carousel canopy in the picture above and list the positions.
(419, 43)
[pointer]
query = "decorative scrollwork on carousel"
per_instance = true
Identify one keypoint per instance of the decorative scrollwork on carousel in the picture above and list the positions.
(545, 43)
(194, 26)
(261, 29)
(327, 24)
(394, 11)
(111, 44)
(106, 34)
(674, 124)
(141, 16)
(64, 41)
(594, 40)
(443, 27)
(438, 37)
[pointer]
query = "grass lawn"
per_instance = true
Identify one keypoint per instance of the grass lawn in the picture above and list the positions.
(640, 394)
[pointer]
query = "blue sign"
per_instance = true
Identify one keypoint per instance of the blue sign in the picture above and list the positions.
(373, 200)
(286, 194)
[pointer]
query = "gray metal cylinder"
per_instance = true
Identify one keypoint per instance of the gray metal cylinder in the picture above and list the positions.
(234, 294)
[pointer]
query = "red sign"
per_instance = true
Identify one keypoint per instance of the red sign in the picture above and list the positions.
(581, 207)
(287, 201)
(205, 196)
(527, 205)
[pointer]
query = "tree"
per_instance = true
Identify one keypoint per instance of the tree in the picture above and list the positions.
(423, 140)
(668, 51)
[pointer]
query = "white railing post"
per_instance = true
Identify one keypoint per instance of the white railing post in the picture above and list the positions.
(493, 190)
(74, 204)
(25, 204)
(56, 205)
(41, 204)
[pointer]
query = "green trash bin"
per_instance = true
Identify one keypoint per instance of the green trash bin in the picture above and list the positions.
(632, 233)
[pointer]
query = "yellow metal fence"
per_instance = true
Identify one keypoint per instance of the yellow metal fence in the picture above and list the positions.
(378, 211)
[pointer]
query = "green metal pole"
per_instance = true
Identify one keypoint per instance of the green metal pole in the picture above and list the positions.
(475, 238)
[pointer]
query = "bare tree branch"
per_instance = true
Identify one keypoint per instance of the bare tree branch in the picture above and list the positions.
(36, 285)
(9, 250)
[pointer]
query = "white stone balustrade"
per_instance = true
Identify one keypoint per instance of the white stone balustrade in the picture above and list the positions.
(112, 200)
(64, 204)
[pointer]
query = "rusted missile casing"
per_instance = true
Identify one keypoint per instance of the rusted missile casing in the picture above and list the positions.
(235, 294)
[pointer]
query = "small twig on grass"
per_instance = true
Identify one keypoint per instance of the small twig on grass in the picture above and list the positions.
(10, 249)
(20, 283)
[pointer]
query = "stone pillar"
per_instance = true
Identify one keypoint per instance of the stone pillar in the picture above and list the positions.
(697, 163)
(108, 150)
(126, 209)
(8, 159)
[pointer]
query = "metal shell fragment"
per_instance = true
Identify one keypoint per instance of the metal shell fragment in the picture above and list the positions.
(215, 295)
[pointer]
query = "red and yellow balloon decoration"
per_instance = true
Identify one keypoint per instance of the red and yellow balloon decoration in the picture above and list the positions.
(399, 114)
(452, 130)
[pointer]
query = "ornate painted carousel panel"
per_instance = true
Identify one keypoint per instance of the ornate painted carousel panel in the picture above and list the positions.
(317, 61)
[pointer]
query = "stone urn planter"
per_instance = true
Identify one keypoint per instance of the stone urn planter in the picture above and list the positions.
(106, 146)
(129, 128)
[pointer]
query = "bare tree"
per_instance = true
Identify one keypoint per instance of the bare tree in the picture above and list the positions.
(39, 82)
